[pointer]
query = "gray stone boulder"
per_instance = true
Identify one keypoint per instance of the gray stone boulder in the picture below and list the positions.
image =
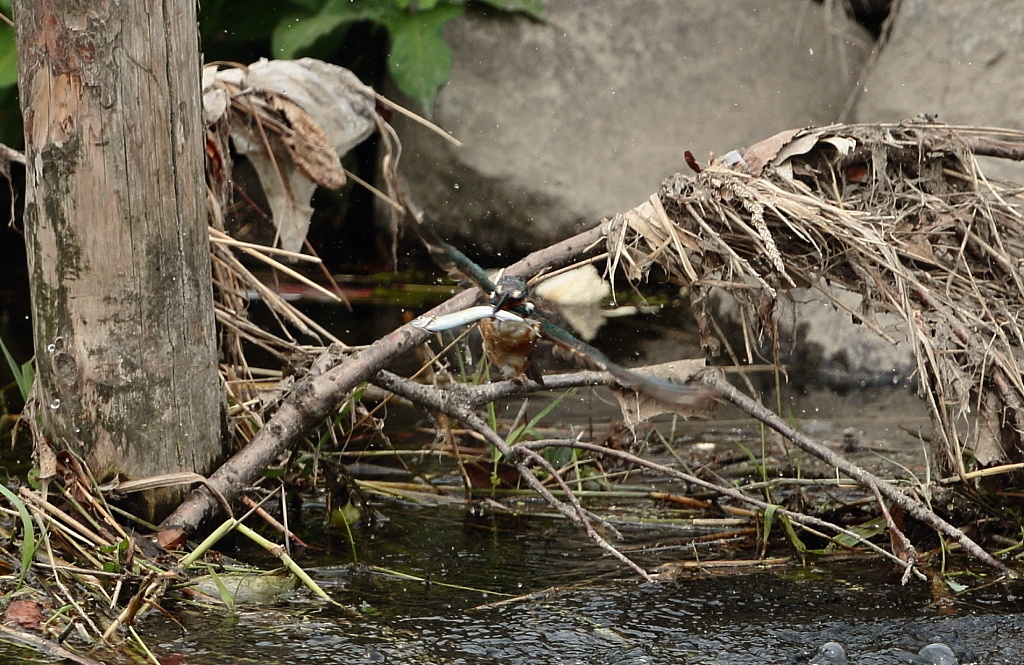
(820, 343)
(581, 117)
(959, 60)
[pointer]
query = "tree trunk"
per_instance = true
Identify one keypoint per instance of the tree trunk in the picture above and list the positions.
(115, 227)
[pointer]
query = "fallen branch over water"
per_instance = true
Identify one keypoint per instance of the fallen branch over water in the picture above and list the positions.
(458, 401)
(333, 376)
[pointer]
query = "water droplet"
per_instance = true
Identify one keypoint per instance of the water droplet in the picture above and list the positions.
(50, 348)
(55, 404)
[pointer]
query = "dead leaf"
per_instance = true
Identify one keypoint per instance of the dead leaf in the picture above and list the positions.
(844, 145)
(46, 459)
(171, 539)
(308, 113)
(484, 476)
(24, 614)
(800, 145)
(307, 144)
(758, 155)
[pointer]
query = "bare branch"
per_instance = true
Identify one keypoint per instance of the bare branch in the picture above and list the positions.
(911, 506)
(334, 376)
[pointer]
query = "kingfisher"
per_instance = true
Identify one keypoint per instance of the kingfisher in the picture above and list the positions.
(511, 327)
(509, 342)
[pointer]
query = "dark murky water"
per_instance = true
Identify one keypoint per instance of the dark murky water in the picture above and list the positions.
(583, 608)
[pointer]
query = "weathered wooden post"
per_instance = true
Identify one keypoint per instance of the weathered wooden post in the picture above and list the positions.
(115, 225)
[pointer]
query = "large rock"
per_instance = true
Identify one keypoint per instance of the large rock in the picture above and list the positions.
(957, 59)
(820, 343)
(583, 116)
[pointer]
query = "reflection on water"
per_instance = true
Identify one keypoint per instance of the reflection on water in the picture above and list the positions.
(582, 608)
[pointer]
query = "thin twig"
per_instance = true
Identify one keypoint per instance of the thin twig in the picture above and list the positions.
(911, 506)
(452, 404)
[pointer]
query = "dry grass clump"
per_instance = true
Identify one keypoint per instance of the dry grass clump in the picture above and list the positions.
(900, 214)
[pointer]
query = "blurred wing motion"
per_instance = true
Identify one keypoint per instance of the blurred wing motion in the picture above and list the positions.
(459, 267)
(669, 393)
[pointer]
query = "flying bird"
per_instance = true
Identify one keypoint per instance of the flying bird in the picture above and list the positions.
(511, 326)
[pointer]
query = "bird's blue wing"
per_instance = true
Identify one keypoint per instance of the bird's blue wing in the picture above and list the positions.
(458, 266)
(667, 392)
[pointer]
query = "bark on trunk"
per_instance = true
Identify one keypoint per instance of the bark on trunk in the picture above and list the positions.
(115, 226)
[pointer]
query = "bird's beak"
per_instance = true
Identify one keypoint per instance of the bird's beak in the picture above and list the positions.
(501, 302)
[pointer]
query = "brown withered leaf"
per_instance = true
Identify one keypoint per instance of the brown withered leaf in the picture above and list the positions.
(171, 539)
(306, 143)
(46, 459)
(24, 614)
(762, 152)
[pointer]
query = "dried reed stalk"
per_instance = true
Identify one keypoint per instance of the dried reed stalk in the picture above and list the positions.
(900, 214)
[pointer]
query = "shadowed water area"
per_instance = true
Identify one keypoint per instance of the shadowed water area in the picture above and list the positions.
(571, 605)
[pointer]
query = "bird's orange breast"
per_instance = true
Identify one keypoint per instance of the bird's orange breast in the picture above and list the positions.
(508, 345)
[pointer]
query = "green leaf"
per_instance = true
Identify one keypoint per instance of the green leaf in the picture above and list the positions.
(226, 596)
(529, 428)
(766, 528)
(532, 8)
(294, 34)
(420, 5)
(28, 376)
(8, 55)
(420, 60)
(297, 33)
(866, 530)
(28, 532)
(558, 456)
(794, 540)
(344, 516)
(23, 374)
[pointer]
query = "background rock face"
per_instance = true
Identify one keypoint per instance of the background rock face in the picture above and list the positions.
(958, 59)
(582, 117)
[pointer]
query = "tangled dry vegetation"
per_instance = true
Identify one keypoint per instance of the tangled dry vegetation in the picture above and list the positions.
(900, 214)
